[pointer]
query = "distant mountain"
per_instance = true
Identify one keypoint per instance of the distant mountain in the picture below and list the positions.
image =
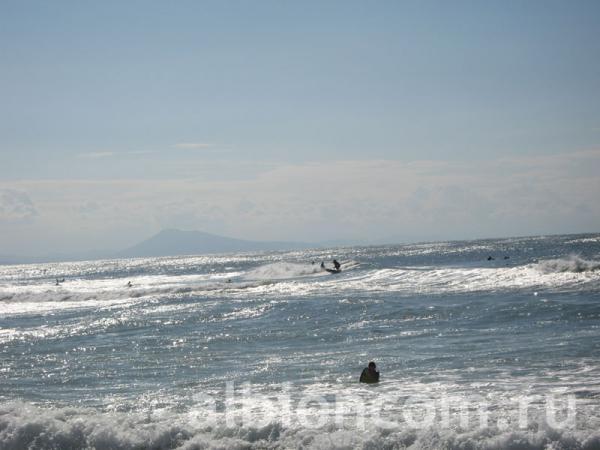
(178, 242)
(166, 243)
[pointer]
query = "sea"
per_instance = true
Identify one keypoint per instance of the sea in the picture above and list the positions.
(482, 344)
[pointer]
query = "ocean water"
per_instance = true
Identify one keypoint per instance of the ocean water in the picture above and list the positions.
(264, 350)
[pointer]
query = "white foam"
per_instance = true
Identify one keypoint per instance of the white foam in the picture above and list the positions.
(79, 293)
(298, 279)
(441, 280)
(288, 270)
(26, 426)
(573, 264)
(284, 270)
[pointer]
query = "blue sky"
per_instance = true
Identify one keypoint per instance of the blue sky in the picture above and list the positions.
(296, 120)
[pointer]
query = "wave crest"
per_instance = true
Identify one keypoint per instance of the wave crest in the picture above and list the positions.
(287, 270)
(27, 426)
(574, 264)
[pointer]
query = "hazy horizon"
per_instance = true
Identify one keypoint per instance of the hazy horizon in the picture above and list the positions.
(84, 254)
(301, 122)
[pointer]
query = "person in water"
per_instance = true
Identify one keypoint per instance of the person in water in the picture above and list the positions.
(129, 284)
(336, 264)
(370, 374)
(322, 264)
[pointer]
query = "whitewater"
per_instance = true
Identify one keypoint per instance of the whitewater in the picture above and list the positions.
(485, 344)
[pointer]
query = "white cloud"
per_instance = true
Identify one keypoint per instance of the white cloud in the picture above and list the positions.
(194, 145)
(95, 155)
(110, 154)
(15, 206)
(87, 207)
(340, 199)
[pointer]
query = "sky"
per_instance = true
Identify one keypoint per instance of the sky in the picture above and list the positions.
(307, 121)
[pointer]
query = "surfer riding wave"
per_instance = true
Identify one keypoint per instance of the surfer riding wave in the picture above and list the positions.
(337, 267)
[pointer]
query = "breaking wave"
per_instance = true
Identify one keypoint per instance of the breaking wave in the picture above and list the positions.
(287, 270)
(284, 270)
(573, 264)
(305, 279)
(92, 363)
(23, 426)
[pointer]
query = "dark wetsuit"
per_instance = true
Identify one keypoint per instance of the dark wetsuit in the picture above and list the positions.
(369, 376)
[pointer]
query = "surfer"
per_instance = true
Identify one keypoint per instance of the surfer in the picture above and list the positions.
(129, 284)
(336, 266)
(370, 374)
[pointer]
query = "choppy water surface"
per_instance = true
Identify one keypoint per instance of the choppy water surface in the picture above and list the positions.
(195, 353)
